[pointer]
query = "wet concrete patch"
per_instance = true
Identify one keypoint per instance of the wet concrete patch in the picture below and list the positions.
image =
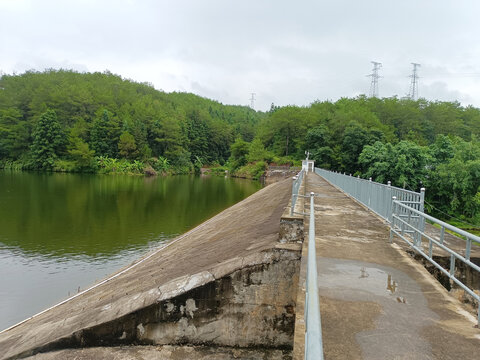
(341, 321)
(346, 238)
(357, 235)
(403, 310)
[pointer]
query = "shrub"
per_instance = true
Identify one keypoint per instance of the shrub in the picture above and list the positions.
(61, 165)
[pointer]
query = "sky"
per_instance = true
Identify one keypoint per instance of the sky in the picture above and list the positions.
(286, 52)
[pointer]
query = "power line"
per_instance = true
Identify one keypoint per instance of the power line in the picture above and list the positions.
(413, 95)
(374, 75)
(443, 212)
(451, 216)
(252, 101)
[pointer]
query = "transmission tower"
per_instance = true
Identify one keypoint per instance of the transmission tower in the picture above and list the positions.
(252, 101)
(374, 75)
(413, 95)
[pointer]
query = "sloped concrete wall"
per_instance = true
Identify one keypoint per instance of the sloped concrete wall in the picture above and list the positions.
(250, 307)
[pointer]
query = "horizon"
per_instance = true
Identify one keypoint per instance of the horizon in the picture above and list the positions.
(106, 71)
(284, 53)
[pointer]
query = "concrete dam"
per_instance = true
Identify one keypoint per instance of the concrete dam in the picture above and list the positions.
(234, 288)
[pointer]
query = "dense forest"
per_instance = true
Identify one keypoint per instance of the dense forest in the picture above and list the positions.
(100, 122)
(64, 120)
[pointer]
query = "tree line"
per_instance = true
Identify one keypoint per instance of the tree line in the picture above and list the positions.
(413, 144)
(68, 121)
(65, 120)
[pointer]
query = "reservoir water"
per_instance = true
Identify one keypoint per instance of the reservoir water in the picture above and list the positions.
(60, 233)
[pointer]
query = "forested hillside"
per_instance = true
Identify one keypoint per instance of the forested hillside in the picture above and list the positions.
(413, 144)
(103, 115)
(99, 122)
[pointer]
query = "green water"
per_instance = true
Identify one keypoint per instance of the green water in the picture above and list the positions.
(59, 232)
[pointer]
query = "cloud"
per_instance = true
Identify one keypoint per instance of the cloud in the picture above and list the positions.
(440, 90)
(285, 52)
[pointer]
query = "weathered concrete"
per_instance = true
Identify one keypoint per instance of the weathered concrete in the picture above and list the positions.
(292, 225)
(165, 352)
(279, 173)
(228, 282)
(376, 301)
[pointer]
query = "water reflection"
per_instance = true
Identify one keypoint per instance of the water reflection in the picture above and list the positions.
(59, 232)
(391, 284)
(67, 215)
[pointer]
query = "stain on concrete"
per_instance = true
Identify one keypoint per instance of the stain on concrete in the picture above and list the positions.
(165, 352)
(341, 320)
(402, 306)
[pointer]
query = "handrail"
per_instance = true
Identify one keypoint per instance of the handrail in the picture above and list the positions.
(407, 224)
(376, 196)
(404, 210)
(313, 325)
(441, 223)
(297, 181)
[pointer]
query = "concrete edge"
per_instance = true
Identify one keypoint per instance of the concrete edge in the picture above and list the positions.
(136, 262)
(181, 285)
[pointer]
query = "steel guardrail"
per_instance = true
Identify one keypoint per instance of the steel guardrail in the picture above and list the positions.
(404, 210)
(376, 196)
(297, 181)
(405, 224)
(313, 324)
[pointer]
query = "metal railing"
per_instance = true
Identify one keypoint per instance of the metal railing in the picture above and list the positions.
(297, 181)
(377, 197)
(313, 325)
(408, 224)
(404, 210)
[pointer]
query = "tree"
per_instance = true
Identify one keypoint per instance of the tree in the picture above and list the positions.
(80, 153)
(256, 151)
(317, 143)
(239, 151)
(127, 147)
(15, 134)
(197, 134)
(104, 135)
(442, 149)
(47, 141)
(354, 139)
(404, 164)
(455, 179)
(284, 130)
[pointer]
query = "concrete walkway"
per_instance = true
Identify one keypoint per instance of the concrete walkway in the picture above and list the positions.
(377, 302)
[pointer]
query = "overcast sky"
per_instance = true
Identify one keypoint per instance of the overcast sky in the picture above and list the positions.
(287, 52)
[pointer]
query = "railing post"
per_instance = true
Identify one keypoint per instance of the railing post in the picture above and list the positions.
(292, 205)
(370, 190)
(388, 201)
(468, 248)
(421, 220)
(452, 265)
(358, 195)
(391, 218)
